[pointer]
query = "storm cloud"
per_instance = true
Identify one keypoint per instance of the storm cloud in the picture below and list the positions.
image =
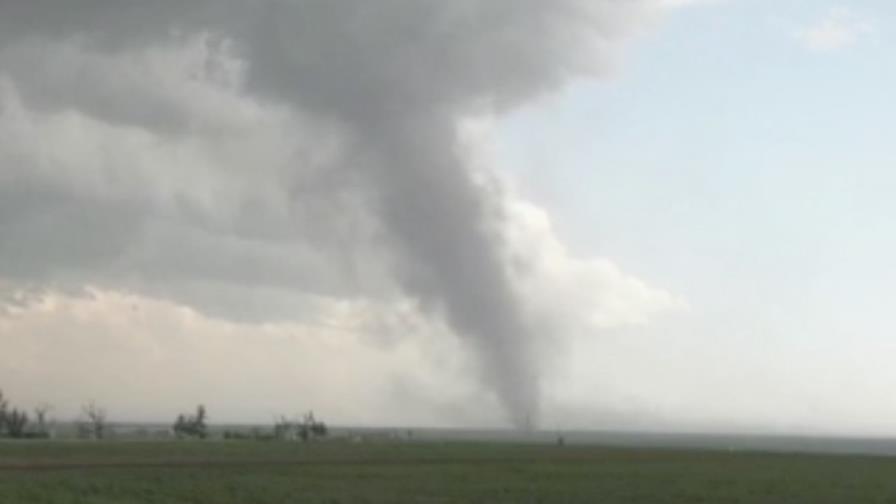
(251, 158)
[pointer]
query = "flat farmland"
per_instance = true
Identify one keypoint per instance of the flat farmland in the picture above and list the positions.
(221, 472)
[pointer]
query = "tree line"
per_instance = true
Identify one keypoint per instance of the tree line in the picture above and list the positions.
(17, 423)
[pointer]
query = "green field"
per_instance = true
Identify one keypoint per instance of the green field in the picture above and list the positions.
(330, 472)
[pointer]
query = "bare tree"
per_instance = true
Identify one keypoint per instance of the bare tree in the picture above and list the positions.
(40, 416)
(192, 425)
(285, 429)
(94, 424)
(16, 423)
(3, 405)
(307, 428)
(310, 428)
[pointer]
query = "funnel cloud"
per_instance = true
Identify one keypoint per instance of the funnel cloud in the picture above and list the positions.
(386, 83)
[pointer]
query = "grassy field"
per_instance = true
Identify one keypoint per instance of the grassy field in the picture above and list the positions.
(261, 473)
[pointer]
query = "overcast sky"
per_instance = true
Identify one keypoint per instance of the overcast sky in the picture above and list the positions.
(667, 215)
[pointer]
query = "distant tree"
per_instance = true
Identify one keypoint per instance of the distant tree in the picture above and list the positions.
(13, 421)
(94, 423)
(285, 429)
(3, 406)
(179, 424)
(311, 428)
(16, 423)
(319, 429)
(40, 417)
(306, 429)
(193, 426)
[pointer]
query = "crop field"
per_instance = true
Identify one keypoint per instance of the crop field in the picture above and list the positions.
(221, 472)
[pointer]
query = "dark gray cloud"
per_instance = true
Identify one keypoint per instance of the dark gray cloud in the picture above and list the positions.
(390, 79)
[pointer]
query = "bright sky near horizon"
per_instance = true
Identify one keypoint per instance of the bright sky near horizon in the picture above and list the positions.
(740, 158)
(699, 237)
